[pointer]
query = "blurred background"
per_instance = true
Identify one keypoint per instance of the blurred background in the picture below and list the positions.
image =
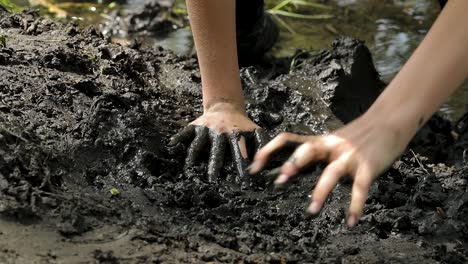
(391, 29)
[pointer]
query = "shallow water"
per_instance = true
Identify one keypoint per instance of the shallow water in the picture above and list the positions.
(392, 29)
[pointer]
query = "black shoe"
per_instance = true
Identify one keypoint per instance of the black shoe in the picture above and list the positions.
(253, 43)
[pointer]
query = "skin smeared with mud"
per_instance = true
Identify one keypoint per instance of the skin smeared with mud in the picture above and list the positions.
(197, 145)
(216, 161)
(87, 173)
(201, 137)
(240, 158)
(261, 138)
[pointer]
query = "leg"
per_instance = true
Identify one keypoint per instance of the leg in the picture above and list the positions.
(256, 31)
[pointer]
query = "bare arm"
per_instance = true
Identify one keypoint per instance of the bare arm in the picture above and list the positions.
(435, 70)
(214, 31)
(367, 146)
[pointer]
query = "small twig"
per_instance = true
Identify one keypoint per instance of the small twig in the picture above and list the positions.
(314, 237)
(251, 79)
(419, 162)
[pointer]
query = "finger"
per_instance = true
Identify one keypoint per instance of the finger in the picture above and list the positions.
(215, 162)
(239, 157)
(282, 140)
(261, 138)
(361, 185)
(201, 138)
(304, 155)
(327, 182)
(183, 136)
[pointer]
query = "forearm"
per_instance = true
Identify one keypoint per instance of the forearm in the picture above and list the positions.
(214, 32)
(435, 70)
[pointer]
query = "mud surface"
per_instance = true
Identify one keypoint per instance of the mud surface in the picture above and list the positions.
(85, 174)
(153, 19)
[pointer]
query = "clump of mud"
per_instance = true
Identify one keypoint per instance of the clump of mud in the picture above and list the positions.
(155, 19)
(86, 175)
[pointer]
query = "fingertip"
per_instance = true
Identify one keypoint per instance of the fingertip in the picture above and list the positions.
(281, 180)
(353, 220)
(253, 168)
(257, 165)
(314, 208)
(289, 168)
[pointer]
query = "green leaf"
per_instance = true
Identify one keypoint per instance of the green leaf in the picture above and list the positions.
(301, 16)
(114, 191)
(311, 4)
(282, 4)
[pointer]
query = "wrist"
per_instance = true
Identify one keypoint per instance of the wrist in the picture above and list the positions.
(402, 118)
(222, 104)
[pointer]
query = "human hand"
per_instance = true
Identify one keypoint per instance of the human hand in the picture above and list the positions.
(362, 150)
(222, 123)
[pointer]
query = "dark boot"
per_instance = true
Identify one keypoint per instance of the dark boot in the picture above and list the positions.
(442, 3)
(256, 31)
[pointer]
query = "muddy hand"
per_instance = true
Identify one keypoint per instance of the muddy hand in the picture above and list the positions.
(183, 136)
(363, 149)
(218, 125)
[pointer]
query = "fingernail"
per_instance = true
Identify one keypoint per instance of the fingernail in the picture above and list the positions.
(314, 208)
(282, 179)
(274, 172)
(252, 168)
(352, 220)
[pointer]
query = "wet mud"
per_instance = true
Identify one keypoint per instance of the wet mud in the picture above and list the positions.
(153, 19)
(88, 174)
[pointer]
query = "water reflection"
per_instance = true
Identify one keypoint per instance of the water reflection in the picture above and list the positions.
(392, 29)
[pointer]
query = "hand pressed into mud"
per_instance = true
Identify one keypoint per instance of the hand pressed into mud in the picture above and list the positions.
(361, 150)
(221, 124)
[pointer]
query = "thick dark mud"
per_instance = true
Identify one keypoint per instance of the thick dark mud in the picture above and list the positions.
(86, 174)
(154, 19)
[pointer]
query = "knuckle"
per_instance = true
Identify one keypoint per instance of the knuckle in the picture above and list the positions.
(361, 187)
(308, 146)
(284, 136)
